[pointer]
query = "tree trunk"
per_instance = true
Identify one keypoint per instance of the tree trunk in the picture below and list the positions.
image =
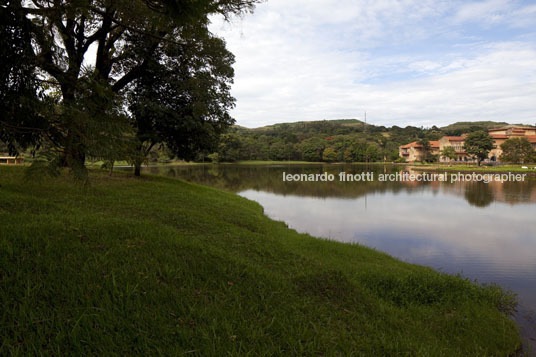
(74, 150)
(137, 169)
(73, 157)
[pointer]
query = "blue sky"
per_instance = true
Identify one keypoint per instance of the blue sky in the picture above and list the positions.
(407, 62)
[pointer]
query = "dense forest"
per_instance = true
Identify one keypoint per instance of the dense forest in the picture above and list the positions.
(348, 140)
(330, 140)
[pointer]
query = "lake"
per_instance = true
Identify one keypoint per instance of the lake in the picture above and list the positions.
(483, 231)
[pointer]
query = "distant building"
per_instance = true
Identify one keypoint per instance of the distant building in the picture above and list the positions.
(455, 142)
(413, 152)
(10, 160)
(500, 135)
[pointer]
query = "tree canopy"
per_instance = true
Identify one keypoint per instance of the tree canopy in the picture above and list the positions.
(88, 58)
(478, 144)
(20, 121)
(449, 152)
(517, 150)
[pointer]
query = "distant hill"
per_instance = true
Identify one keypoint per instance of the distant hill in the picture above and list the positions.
(332, 140)
(316, 124)
(470, 126)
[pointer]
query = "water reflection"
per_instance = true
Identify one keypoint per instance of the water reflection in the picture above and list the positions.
(238, 178)
(484, 231)
(478, 194)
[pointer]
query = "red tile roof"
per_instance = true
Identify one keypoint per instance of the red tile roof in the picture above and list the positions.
(455, 138)
(531, 138)
(433, 144)
(513, 127)
(413, 144)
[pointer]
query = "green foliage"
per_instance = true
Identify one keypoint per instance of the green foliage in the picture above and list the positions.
(312, 149)
(478, 144)
(158, 55)
(347, 155)
(21, 101)
(89, 272)
(363, 152)
(449, 153)
(214, 157)
(183, 97)
(329, 155)
(426, 150)
(229, 148)
(351, 139)
(517, 150)
(460, 128)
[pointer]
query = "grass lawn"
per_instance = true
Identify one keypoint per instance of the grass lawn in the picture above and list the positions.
(162, 266)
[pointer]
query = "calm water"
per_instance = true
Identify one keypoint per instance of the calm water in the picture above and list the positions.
(484, 231)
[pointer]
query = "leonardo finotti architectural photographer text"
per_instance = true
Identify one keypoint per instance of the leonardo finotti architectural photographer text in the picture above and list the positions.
(404, 176)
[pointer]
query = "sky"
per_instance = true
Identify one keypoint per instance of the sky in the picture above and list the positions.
(405, 62)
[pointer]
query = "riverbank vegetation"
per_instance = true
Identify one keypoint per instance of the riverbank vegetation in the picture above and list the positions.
(348, 140)
(162, 266)
(345, 140)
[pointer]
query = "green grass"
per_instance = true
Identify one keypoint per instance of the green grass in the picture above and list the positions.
(162, 266)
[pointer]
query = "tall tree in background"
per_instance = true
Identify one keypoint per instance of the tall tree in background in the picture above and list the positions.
(183, 97)
(426, 149)
(449, 152)
(20, 101)
(89, 53)
(478, 144)
(517, 150)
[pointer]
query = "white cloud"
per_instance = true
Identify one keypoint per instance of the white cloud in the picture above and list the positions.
(305, 60)
(489, 11)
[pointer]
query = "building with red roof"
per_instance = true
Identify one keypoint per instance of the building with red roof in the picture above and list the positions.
(414, 152)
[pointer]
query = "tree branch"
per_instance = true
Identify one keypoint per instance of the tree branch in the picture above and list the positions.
(133, 74)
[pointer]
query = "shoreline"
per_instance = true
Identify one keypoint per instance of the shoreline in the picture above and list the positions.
(213, 259)
(479, 170)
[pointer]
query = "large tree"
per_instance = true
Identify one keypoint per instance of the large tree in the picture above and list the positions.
(449, 152)
(478, 144)
(88, 54)
(20, 100)
(426, 150)
(517, 150)
(183, 97)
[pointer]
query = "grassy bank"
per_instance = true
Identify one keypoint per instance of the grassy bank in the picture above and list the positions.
(157, 265)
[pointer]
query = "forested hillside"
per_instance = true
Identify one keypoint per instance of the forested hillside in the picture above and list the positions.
(330, 140)
(326, 140)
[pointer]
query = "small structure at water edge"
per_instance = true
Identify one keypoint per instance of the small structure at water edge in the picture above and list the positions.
(11, 160)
